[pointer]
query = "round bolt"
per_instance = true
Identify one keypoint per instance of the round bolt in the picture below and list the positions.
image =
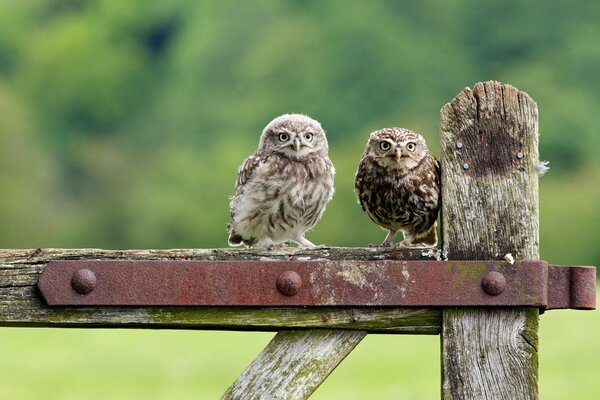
(519, 155)
(493, 283)
(459, 145)
(466, 166)
(83, 281)
(289, 283)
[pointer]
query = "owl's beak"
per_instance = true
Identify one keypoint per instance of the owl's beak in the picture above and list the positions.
(398, 155)
(297, 144)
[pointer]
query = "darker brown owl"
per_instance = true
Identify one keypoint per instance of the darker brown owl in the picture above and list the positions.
(398, 185)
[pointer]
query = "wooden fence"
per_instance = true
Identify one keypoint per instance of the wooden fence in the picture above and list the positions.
(489, 157)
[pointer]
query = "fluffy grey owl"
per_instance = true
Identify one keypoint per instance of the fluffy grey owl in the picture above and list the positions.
(283, 188)
(398, 185)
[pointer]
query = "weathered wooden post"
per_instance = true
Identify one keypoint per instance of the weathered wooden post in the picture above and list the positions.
(489, 158)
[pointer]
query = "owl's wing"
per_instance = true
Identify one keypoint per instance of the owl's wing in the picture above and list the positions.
(358, 181)
(248, 167)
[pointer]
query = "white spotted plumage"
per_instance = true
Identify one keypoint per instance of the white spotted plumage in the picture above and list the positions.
(283, 188)
(398, 185)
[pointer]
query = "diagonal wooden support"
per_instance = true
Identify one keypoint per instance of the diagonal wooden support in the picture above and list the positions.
(294, 364)
(489, 144)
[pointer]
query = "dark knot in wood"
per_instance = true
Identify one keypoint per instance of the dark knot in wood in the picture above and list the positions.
(493, 154)
(491, 146)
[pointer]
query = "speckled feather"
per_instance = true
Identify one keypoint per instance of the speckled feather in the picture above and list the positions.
(400, 195)
(282, 193)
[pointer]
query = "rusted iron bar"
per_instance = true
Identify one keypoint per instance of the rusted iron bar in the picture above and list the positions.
(571, 287)
(316, 283)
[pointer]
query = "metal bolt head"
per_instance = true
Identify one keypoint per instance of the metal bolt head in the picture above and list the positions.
(83, 281)
(519, 155)
(289, 282)
(493, 283)
(466, 166)
(459, 145)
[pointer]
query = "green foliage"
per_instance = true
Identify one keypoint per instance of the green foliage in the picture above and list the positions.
(123, 123)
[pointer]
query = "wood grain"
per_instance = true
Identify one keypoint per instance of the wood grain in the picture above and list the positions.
(489, 143)
(21, 303)
(294, 364)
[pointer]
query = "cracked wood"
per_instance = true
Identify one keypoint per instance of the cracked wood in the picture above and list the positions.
(489, 142)
(294, 364)
(21, 303)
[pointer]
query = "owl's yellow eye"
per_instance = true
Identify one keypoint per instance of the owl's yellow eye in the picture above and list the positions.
(385, 146)
(284, 137)
(308, 136)
(411, 146)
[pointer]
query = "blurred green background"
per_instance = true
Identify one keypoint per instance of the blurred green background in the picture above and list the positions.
(122, 124)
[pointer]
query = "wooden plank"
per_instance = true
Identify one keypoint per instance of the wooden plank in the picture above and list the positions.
(294, 364)
(489, 143)
(22, 305)
(42, 256)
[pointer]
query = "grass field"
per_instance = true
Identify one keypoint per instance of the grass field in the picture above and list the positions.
(143, 364)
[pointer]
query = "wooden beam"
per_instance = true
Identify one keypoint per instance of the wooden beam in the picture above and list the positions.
(294, 364)
(489, 144)
(21, 303)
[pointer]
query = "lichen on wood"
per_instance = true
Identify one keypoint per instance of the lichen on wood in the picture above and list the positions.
(489, 144)
(21, 303)
(294, 364)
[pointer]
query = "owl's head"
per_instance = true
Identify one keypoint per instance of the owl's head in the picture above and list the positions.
(294, 135)
(396, 148)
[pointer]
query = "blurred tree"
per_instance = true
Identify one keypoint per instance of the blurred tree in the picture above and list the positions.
(29, 209)
(132, 117)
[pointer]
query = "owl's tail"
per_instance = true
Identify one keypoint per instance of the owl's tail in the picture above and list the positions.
(428, 237)
(234, 239)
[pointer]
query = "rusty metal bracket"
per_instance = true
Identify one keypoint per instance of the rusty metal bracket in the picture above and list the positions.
(317, 283)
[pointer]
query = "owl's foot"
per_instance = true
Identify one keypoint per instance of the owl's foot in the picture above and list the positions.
(267, 244)
(273, 246)
(415, 244)
(382, 245)
(389, 239)
(303, 242)
(408, 243)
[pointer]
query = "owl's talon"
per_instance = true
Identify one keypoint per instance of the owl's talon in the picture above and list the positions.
(413, 245)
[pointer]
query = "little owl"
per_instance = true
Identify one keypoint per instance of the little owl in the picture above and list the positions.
(398, 186)
(283, 188)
